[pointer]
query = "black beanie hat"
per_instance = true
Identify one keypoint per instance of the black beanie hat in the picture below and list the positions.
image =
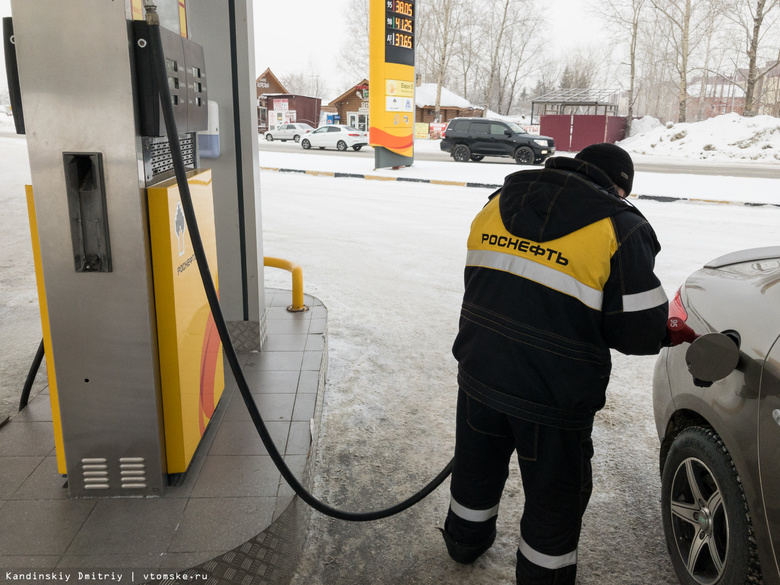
(613, 160)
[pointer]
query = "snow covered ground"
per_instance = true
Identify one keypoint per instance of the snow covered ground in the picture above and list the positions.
(386, 258)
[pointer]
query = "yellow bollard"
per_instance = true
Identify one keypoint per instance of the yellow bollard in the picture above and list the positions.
(297, 281)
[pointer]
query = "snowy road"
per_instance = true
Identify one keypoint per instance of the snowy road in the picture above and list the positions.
(387, 260)
(431, 151)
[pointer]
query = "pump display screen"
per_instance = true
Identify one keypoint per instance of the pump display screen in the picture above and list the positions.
(399, 32)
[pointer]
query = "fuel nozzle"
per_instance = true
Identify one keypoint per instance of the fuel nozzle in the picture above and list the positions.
(679, 331)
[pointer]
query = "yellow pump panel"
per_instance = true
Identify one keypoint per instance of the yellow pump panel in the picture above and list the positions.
(47, 345)
(191, 366)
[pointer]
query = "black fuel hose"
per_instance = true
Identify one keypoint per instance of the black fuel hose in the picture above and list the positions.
(28, 383)
(158, 66)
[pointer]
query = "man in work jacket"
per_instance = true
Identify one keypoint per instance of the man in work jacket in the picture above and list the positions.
(559, 270)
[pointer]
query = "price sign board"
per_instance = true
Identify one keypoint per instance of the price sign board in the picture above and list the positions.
(391, 102)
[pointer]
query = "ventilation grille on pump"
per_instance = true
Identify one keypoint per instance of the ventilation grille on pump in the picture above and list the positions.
(132, 473)
(158, 162)
(95, 473)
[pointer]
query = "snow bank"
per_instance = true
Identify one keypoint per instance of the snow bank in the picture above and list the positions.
(729, 137)
(645, 124)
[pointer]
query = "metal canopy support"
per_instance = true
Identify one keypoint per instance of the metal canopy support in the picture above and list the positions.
(580, 100)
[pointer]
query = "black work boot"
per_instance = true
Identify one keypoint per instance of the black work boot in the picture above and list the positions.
(466, 554)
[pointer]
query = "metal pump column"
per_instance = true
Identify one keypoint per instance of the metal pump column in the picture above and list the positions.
(76, 78)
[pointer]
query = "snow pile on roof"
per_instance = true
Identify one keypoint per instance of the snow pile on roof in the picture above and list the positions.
(724, 138)
(425, 95)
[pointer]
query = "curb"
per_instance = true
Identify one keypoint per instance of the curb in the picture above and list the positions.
(337, 175)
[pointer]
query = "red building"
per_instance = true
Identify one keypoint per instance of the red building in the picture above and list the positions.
(276, 105)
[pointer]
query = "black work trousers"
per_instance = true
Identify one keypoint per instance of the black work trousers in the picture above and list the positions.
(557, 481)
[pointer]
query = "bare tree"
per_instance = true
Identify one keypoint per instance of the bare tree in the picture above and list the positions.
(625, 17)
(304, 83)
(655, 90)
(467, 51)
(508, 27)
(500, 16)
(353, 56)
(579, 70)
(685, 20)
(516, 61)
(441, 21)
(750, 15)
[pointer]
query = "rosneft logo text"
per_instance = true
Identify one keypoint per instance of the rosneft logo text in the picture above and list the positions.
(525, 247)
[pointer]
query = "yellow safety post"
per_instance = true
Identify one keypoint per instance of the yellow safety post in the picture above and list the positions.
(297, 281)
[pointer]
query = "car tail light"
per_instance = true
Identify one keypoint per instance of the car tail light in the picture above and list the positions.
(353, 134)
(677, 313)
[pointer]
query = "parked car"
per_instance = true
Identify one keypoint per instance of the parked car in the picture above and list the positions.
(717, 412)
(475, 138)
(336, 136)
(285, 132)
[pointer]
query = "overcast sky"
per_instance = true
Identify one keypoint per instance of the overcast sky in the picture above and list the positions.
(307, 35)
(311, 40)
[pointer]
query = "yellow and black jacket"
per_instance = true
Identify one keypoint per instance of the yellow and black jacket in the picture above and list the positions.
(559, 270)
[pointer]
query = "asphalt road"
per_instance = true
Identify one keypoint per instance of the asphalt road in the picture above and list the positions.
(762, 171)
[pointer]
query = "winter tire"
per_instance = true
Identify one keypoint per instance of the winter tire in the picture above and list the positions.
(269, 137)
(356, 148)
(306, 144)
(524, 156)
(461, 153)
(477, 157)
(296, 138)
(705, 515)
(341, 145)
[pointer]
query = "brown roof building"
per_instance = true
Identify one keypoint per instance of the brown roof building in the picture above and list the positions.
(451, 105)
(351, 107)
(276, 105)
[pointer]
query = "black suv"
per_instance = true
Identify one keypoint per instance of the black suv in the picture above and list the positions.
(475, 138)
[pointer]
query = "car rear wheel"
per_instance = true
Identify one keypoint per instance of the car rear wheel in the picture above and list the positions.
(524, 156)
(477, 157)
(269, 137)
(297, 138)
(306, 144)
(356, 148)
(341, 145)
(461, 153)
(705, 514)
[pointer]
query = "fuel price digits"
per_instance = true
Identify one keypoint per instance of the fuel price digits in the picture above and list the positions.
(401, 7)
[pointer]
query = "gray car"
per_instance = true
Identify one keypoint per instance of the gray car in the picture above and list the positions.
(717, 412)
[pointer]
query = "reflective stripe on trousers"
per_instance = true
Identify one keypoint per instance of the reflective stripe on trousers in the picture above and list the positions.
(472, 515)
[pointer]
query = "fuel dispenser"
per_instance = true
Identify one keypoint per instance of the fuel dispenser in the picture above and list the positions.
(132, 319)
(134, 359)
